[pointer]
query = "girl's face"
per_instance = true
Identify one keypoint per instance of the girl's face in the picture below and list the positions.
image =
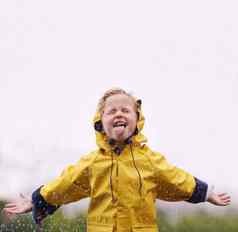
(119, 117)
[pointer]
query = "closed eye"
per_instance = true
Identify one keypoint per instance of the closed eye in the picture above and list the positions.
(125, 110)
(112, 111)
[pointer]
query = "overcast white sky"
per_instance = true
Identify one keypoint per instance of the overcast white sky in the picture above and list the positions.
(58, 57)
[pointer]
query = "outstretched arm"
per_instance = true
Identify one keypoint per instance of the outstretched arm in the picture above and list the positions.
(37, 205)
(202, 192)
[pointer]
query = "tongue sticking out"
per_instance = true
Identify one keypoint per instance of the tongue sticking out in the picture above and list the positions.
(119, 130)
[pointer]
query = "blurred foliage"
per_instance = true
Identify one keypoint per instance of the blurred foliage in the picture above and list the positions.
(56, 222)
(199, 222)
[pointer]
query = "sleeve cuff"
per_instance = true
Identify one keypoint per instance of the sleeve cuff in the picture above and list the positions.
(200, 193)
(40, 207)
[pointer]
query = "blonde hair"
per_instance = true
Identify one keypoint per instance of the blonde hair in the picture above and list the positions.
(112, 92)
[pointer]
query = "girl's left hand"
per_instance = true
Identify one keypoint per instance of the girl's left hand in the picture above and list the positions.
(221, 199)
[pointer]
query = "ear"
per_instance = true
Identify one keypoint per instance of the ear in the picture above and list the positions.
(98, 126)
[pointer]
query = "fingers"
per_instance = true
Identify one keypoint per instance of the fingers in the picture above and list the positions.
(10, 205)
(227, 202)
(224, 197)
(222, 194)
(14, 210)
(8, 209)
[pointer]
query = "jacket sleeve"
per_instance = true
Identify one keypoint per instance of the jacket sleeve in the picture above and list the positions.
(172, 183)
(72, 185)
(41, 208)
(200, 193)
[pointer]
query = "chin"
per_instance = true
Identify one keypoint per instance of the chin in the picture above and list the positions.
(121, 139)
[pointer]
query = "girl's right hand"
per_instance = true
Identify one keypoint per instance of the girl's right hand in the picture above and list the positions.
(22, 205)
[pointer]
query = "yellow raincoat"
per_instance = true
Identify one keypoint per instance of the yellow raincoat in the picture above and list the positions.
(123, 188)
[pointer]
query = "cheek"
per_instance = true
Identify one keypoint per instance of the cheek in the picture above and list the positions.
(105, 123)
(133, 122)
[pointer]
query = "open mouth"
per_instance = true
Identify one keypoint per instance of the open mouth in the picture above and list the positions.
(120, 124)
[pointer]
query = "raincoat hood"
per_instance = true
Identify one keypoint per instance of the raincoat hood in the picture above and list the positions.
(102, 139)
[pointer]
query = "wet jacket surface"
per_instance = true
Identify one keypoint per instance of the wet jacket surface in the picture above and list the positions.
(123, 186)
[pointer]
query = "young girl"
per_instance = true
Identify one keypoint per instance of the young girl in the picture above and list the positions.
(123, 177)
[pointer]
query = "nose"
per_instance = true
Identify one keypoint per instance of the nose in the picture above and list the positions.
(119, 114)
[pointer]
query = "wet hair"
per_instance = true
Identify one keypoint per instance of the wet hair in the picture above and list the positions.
(112, 92)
